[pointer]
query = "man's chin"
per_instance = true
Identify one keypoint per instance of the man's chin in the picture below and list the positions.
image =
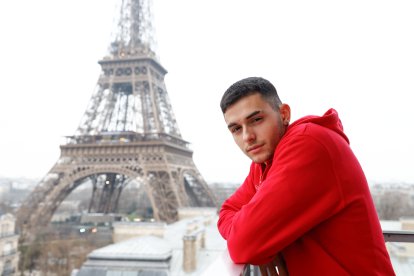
(258, 159)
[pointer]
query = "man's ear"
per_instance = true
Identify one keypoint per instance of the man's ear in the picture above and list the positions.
(284, 110)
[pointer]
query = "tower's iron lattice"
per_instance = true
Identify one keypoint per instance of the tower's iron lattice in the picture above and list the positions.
(128, 133)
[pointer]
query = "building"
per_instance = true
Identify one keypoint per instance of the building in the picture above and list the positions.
(9, 256)
(222, 191)
(186, 247)
(147, 255)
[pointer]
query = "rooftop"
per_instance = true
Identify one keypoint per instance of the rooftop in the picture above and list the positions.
(155, 254)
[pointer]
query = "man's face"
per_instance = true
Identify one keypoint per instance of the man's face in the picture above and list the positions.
(256, 127)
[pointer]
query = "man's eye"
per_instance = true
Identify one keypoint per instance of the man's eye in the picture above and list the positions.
(257, 119)
(235, 129)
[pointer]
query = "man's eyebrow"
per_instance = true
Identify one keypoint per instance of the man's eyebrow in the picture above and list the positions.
(254, 113)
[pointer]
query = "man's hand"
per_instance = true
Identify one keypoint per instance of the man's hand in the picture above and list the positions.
(276, 267)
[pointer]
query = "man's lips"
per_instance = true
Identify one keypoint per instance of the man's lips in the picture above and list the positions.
(253, 148)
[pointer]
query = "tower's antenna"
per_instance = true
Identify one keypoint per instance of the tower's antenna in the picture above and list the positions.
(135, 33)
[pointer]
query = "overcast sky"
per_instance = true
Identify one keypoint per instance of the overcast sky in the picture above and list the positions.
(354, 56)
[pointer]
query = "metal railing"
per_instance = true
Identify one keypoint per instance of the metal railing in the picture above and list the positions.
(398, 236)
(124, 138)
(223, 265)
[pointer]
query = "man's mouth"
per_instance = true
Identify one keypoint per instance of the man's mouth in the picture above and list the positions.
(253, 148)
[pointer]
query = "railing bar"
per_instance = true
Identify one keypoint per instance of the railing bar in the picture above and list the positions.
(398, 236)
(389, 236)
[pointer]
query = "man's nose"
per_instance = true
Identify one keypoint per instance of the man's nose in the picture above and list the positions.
(248, 135)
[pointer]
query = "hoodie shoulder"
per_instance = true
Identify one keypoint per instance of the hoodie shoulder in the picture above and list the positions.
(329, 120)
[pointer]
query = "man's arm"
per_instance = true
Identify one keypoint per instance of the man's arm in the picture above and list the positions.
(300, 191)
(234, 203)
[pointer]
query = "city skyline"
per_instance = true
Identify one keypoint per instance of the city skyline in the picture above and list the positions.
(355, 57)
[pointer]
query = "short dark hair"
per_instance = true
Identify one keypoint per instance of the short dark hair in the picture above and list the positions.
(247, 87)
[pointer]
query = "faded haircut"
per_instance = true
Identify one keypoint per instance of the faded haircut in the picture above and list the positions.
(247, 87)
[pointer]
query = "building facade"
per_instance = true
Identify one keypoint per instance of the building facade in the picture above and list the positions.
(9, 255)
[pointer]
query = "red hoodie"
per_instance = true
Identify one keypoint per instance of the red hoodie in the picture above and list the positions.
(312, 203)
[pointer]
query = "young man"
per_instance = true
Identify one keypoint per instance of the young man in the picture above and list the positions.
(305, 203)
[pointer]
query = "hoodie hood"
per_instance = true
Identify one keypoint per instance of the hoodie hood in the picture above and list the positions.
(329, 120)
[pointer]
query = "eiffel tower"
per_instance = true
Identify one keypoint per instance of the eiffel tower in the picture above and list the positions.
(128, 133)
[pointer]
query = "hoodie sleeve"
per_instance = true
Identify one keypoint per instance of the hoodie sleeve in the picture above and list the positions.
(299, 192)
(234, 203)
